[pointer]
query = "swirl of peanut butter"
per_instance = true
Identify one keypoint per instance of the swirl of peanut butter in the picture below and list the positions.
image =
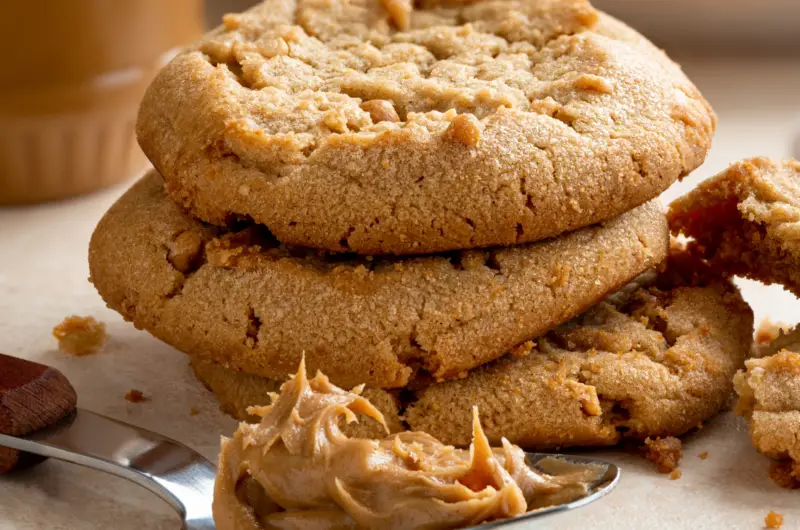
(296, 469)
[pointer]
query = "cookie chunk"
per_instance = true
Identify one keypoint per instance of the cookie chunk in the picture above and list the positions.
(746, 221)
(653, 360)
(769, 397)
(665, 453)
(391, 127)
(248, 302)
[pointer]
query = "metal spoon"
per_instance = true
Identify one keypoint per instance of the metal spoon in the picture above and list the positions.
(174, 472)
(185, 479)
(177, 474)
(607, 479)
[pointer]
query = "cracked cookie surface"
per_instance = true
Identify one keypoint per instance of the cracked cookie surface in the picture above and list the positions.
(244, 300)
(745, 221)
(382, 127)
(655, 359)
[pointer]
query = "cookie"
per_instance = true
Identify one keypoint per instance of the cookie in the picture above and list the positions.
(244, 300)
(769, 397)
(378, 127)
(746, 221)
(655, 359)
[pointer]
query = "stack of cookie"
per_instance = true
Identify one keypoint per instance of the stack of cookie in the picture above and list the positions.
(436, 200)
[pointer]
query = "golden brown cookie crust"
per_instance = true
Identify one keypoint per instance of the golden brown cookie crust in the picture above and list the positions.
(351, 126)
(651, 361)
(746, 221)
(246, 302)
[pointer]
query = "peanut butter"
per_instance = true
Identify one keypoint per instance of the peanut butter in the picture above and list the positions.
(296, 469)
(71, 86)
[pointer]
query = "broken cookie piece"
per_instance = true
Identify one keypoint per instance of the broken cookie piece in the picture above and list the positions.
(746, 221)
(769, 397)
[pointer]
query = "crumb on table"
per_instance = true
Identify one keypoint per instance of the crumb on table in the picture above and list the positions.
(135, 396)
(703, 455)
(773, 520)
(676, 474)
(665, 453)
(80, 335)
(193, 411)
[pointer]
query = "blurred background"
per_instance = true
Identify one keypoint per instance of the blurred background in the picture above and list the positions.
(728, 27)
(68, 103)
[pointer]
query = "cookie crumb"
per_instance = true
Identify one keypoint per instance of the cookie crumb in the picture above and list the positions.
(773, 520)
(380, 110)
(594, 83)
(466, 129)
(80, 335)
(185, 252)
(664, 452)
(193, 411)
(521, 350)
(135, 396)
(703, 455)
(676, 474)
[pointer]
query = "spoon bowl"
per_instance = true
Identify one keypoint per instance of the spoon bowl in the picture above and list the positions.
(606, 480)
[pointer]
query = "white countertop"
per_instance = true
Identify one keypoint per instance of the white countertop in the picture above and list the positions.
(43, 278)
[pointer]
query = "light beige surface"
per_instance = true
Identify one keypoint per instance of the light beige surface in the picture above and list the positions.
(43, 278)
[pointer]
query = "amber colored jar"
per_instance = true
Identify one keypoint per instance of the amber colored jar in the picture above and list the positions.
(72, 75)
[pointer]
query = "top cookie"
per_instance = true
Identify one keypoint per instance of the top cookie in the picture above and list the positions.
(380, 127)
(746, 221)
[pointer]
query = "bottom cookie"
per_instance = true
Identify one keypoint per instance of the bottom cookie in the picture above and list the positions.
(655, 359)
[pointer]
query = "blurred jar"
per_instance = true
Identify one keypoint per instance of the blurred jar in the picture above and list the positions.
(72, 76)
(216, 8)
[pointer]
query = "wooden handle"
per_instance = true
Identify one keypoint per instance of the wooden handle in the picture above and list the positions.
(32, 396)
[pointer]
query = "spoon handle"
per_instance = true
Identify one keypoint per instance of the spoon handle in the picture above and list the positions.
(32, 396)
(38, 417)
